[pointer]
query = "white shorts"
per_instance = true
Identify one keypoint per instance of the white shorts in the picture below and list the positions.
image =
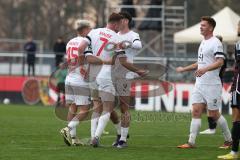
(208, 94)
(106, 90)
(77, 94)
(94, 91)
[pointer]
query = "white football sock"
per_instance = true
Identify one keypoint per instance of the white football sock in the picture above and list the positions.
(224, 126)
(94, 123)
(72, 125)
(118, 128)
(194, 129)
(102, 123)
(124, 133)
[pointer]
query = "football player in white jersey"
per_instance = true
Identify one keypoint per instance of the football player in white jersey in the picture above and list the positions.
(77, 89)
(77, 92)
(212, 124)
(208, 88)
(99, 39)
(131, 45)
(104, 42)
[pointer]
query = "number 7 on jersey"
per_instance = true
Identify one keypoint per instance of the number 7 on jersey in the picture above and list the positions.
(105, 41)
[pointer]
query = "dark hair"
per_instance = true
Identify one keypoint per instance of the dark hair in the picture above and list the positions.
(219, 37)
(126, 15)
(114, 17)
(210, 21)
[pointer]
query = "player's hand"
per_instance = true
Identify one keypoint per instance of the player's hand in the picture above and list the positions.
(124, 45)
(179, 69)
(200, 72)
(142, 72)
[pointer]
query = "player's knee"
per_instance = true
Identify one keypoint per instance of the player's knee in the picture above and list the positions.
(72, 109)
(114, 117)
(235, 114)
(124, 108)
(196, 113)
(97, 107)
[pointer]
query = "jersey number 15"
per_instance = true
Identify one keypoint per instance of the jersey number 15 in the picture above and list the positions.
(72, 56)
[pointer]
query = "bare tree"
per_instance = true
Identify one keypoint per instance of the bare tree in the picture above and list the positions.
(48, 19)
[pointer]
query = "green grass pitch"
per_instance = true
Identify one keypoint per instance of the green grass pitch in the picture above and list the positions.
(32, 133)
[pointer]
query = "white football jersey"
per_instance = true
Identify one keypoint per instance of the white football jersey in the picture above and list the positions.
(131, 37)
(76, 72)
(208, 51)
(131, 52)
(101, 39)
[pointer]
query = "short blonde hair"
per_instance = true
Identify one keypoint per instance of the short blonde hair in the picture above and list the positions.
(81, 24)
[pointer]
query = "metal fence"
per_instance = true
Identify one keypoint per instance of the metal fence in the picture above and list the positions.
(14, 63)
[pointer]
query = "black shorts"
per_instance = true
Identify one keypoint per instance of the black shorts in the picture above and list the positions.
(235, 102)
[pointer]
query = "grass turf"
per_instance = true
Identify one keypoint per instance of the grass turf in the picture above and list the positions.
(32, 133)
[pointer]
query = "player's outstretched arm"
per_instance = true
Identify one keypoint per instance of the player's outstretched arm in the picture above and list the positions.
(93, 60)
(187, 68)
(137, 45)
(131, 67)
(217, 64)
